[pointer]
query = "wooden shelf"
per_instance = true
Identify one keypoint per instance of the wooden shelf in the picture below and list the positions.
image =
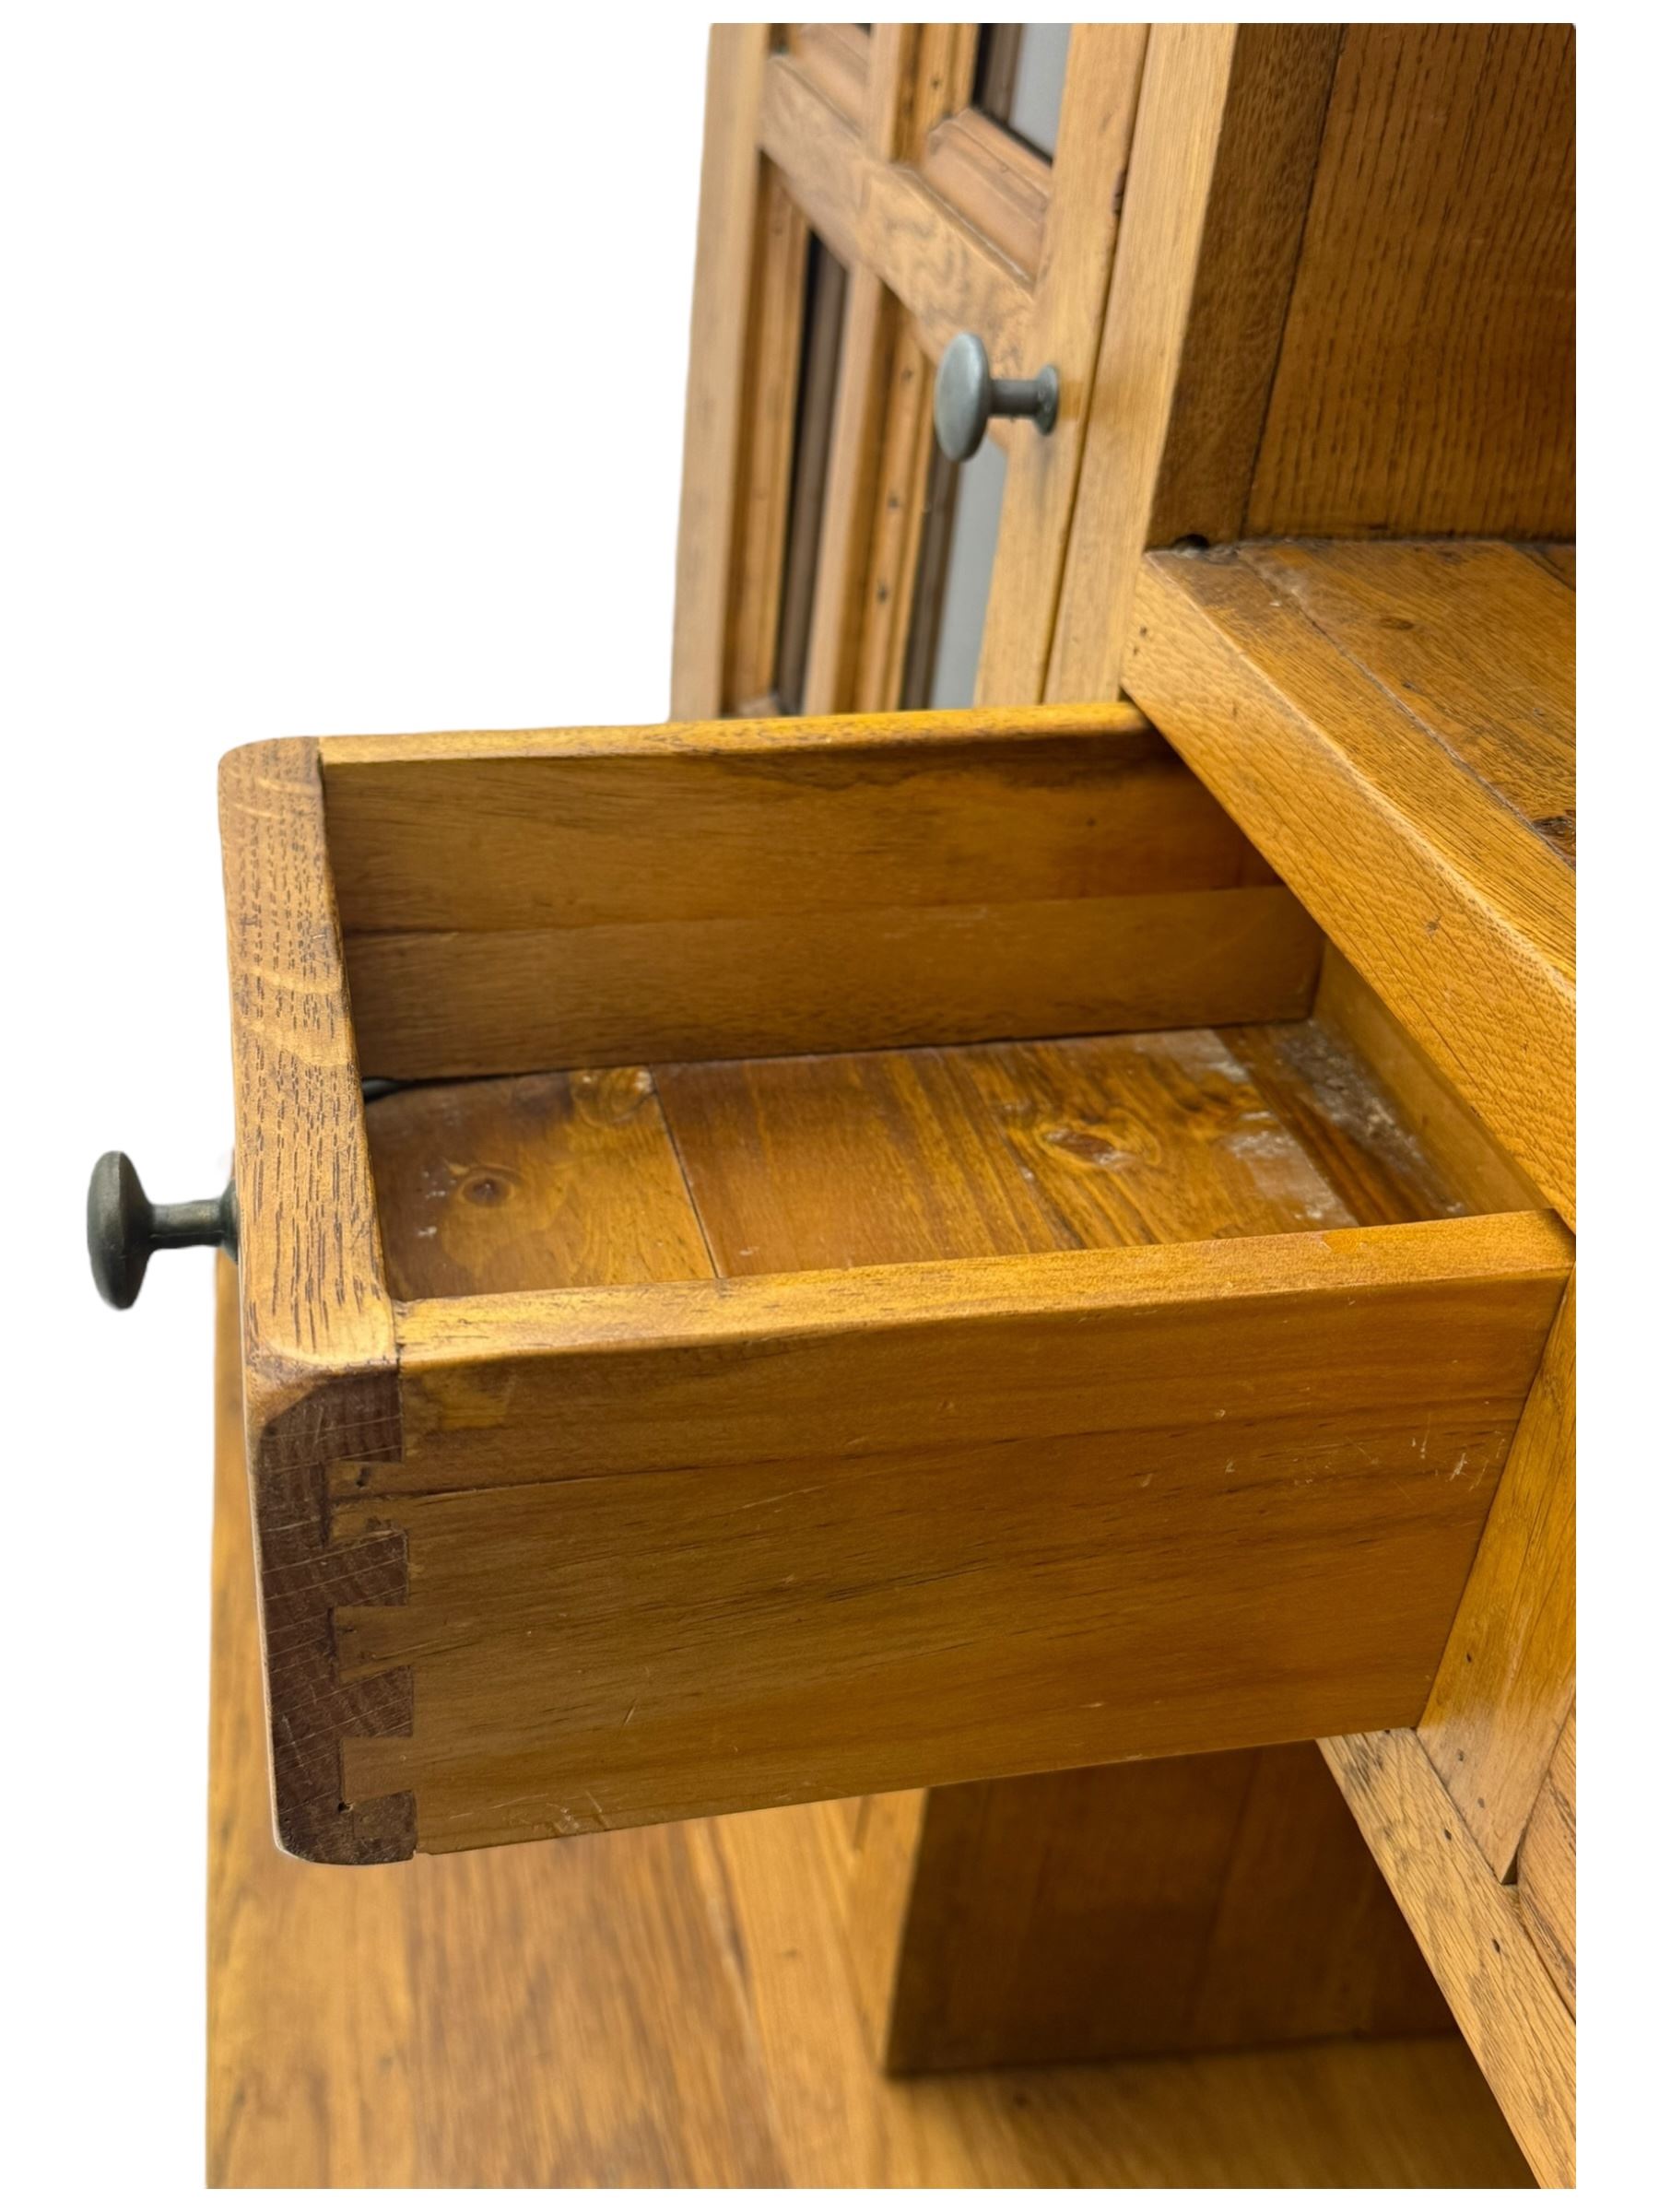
(1393, 726)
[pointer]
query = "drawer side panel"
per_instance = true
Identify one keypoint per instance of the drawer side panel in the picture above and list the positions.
(862, 1551)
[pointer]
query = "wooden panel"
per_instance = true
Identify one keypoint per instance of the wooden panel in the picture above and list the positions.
(1328, 230)
(1548, 1871)
(459, 1002)
(824, 1539)
(731, 175)
(761, 525)
(672, 2008)
(605, 1654)
(537, 1182)
(700, 822)
(1425, 383)
(804, 1164)
(1168, 1905)
(1320, 2115)
(772, 888)
(316, 1318)
(672, 1375)
(1506, 1682)
(1473, 1935)
(1457, 913)
(1306, 1938)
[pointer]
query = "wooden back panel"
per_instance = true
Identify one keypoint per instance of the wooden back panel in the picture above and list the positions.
(704, 891)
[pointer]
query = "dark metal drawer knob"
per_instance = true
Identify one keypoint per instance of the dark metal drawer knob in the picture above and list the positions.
(124, 1227)
(966, 395)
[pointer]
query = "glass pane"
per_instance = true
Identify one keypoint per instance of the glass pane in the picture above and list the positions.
(953, 579)
(1019, 76)
(815, 415)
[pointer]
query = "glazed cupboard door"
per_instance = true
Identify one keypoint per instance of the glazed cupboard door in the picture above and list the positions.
(868, 193)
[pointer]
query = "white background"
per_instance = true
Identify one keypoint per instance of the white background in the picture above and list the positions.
(304, 314)
(345, 351)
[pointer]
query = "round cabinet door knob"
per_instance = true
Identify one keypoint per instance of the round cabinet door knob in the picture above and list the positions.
(124, 1227)
(966, 395)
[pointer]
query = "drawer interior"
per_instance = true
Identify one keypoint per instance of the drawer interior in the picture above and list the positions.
(614, 986)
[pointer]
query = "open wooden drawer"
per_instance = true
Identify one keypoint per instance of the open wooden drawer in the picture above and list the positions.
(878, 1272)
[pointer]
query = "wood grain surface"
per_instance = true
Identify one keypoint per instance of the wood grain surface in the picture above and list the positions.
(797, 1165)
(658, 1377)
(993, 180)
(313, 1285)
(1505, 1685)
(1179, 128)
(1166, 1905)
(1473, 1933)
(675, 2007)
(1475, 640)
(1098, 117)
(775, 887)
(1425, 376)
(1456, 908)
(1547, 1878)
(1421, 1102)
(488, 1002)
(882, 214)
(317, 1345)
(1342, 305)
(837, 58)
(714, 822)
(820, 1518)
(534, 1183)
(1267, 155)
